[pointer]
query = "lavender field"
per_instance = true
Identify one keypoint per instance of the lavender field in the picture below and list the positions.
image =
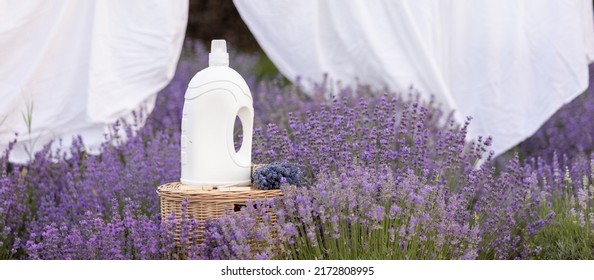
(388, 176)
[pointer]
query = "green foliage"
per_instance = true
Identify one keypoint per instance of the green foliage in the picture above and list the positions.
(265, 69)
(566, 238)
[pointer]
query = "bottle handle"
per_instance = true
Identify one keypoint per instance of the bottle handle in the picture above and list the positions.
(244, 155)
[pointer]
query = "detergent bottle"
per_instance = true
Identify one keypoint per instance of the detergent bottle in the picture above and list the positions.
(214, 98)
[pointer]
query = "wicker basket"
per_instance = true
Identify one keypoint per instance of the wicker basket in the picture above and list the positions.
(205, 203)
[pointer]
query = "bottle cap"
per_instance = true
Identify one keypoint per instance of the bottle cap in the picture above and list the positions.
(218, 55)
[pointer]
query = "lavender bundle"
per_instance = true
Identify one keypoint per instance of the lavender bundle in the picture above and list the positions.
(272, 176)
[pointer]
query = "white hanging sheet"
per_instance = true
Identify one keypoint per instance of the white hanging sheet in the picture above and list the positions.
(509, 64)
(81, 65)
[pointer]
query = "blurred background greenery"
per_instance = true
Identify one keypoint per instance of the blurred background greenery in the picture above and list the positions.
(219, 19)
(213, 19)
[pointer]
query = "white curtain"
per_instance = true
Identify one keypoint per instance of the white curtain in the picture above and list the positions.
(72, 68)
(509, 64)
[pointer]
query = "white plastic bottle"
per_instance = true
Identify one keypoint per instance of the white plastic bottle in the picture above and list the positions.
(214, 98)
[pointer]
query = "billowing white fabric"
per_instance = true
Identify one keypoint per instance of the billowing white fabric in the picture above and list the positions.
(509, 64)
(82, 65)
